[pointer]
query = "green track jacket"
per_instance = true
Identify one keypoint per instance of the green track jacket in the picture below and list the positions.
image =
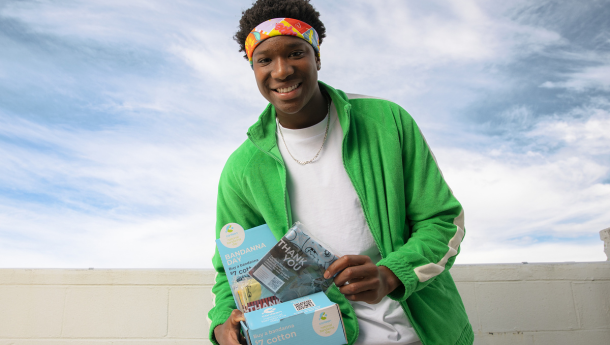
(415, 220)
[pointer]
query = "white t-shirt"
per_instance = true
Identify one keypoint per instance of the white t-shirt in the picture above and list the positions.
(324, 200)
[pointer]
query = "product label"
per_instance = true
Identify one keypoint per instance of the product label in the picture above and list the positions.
(264, 275)
(232, 235)
(304, 305)
(325, 322)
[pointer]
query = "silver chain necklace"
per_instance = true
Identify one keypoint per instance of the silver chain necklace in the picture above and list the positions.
(323, 141)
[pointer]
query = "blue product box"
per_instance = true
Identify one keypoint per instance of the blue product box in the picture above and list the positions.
(312, 319)
(305, 320)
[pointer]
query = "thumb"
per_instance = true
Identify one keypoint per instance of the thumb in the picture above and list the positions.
(236, 317)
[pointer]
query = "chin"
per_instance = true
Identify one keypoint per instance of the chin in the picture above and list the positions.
(288, 108)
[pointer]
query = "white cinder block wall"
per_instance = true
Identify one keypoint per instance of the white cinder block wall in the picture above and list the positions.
(566, 303)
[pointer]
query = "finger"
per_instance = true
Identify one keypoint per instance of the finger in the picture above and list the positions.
(236, 317)
(242, 339)
(344, 262)
(360, 287)
(369, 296)
(355, 273)
(354, 280)
(336, 266)
(226, 334)
(234, 336)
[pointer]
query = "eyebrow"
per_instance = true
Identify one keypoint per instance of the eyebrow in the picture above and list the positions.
(288, 45)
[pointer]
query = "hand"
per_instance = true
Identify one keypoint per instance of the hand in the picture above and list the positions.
(228, 333)
(367, 282)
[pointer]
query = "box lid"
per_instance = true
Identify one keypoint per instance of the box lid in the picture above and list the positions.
(271, 315)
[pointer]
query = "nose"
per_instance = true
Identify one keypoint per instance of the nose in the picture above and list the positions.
(282, 69)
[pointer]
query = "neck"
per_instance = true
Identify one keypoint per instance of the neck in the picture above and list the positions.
(313, 112)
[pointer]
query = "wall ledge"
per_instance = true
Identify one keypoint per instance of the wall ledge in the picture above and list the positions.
(573, 271)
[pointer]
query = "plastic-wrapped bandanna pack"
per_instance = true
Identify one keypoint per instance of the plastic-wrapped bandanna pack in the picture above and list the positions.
(251, 296)
(295, 266)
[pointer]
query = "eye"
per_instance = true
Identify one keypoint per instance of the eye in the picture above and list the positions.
(263, 60)
(297, 53)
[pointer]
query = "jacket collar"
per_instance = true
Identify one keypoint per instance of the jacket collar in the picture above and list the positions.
(262, 133)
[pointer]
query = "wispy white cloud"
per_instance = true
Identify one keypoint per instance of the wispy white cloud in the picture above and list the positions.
(436, 33)
(591, 77)
(589, 136)
(91, 194)
(435, 58)
(518, 196)
(534, 205)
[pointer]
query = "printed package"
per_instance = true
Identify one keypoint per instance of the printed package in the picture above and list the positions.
(305, 320)
(250, 295)
(312, 319)
(295, 266)
(239, 253)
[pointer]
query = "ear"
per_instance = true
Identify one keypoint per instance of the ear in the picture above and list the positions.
(318, 63)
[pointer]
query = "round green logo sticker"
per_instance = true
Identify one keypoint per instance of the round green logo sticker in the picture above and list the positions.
(232, 235)
(325, 322)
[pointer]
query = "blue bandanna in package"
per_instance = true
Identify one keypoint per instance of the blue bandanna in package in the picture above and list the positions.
(295, 266)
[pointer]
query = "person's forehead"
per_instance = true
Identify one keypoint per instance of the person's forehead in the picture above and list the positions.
(280, 43)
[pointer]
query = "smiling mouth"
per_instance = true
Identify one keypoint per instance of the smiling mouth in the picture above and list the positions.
(287, 89)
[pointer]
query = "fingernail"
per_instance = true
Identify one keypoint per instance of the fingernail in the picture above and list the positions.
(326, 275)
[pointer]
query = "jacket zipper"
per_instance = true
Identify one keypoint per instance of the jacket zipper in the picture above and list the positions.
(366, 216)
(285, 177)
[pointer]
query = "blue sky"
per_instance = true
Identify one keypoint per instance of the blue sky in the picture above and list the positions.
(116, 118)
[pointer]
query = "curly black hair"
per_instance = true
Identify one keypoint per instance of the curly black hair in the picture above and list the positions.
(263, 10)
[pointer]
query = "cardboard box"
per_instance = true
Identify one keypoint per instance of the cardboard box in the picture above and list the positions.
(306, 320)
(313, 319)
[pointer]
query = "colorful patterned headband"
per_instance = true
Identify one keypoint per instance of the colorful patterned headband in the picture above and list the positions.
(278, 27)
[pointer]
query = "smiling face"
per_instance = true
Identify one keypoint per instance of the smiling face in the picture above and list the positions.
(286, 72)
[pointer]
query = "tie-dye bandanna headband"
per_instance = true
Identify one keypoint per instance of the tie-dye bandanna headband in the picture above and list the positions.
(278, 27)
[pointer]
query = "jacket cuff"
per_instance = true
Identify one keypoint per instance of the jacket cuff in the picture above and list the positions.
(404, 273)
(218, 319)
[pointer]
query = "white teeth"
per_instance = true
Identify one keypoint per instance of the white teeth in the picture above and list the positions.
(287, 89)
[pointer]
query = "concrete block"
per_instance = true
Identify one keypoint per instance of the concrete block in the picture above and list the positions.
(503, 338)
(468, 294)
(479, 273)
(592, 301)
(594, 337)
(588, 337)
(188, 310)
(525, 306)
(31, 311)
(116, 312)
(568, 271)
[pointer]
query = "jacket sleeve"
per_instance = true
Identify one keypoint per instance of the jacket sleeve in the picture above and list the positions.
(434, 225)
(232, 207)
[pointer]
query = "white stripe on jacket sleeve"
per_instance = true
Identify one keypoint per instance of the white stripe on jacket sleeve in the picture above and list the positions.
(431, 270)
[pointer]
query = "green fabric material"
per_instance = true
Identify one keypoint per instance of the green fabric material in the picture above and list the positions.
(407, 204)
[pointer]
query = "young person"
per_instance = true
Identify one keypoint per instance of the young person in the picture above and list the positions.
(359, 174)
